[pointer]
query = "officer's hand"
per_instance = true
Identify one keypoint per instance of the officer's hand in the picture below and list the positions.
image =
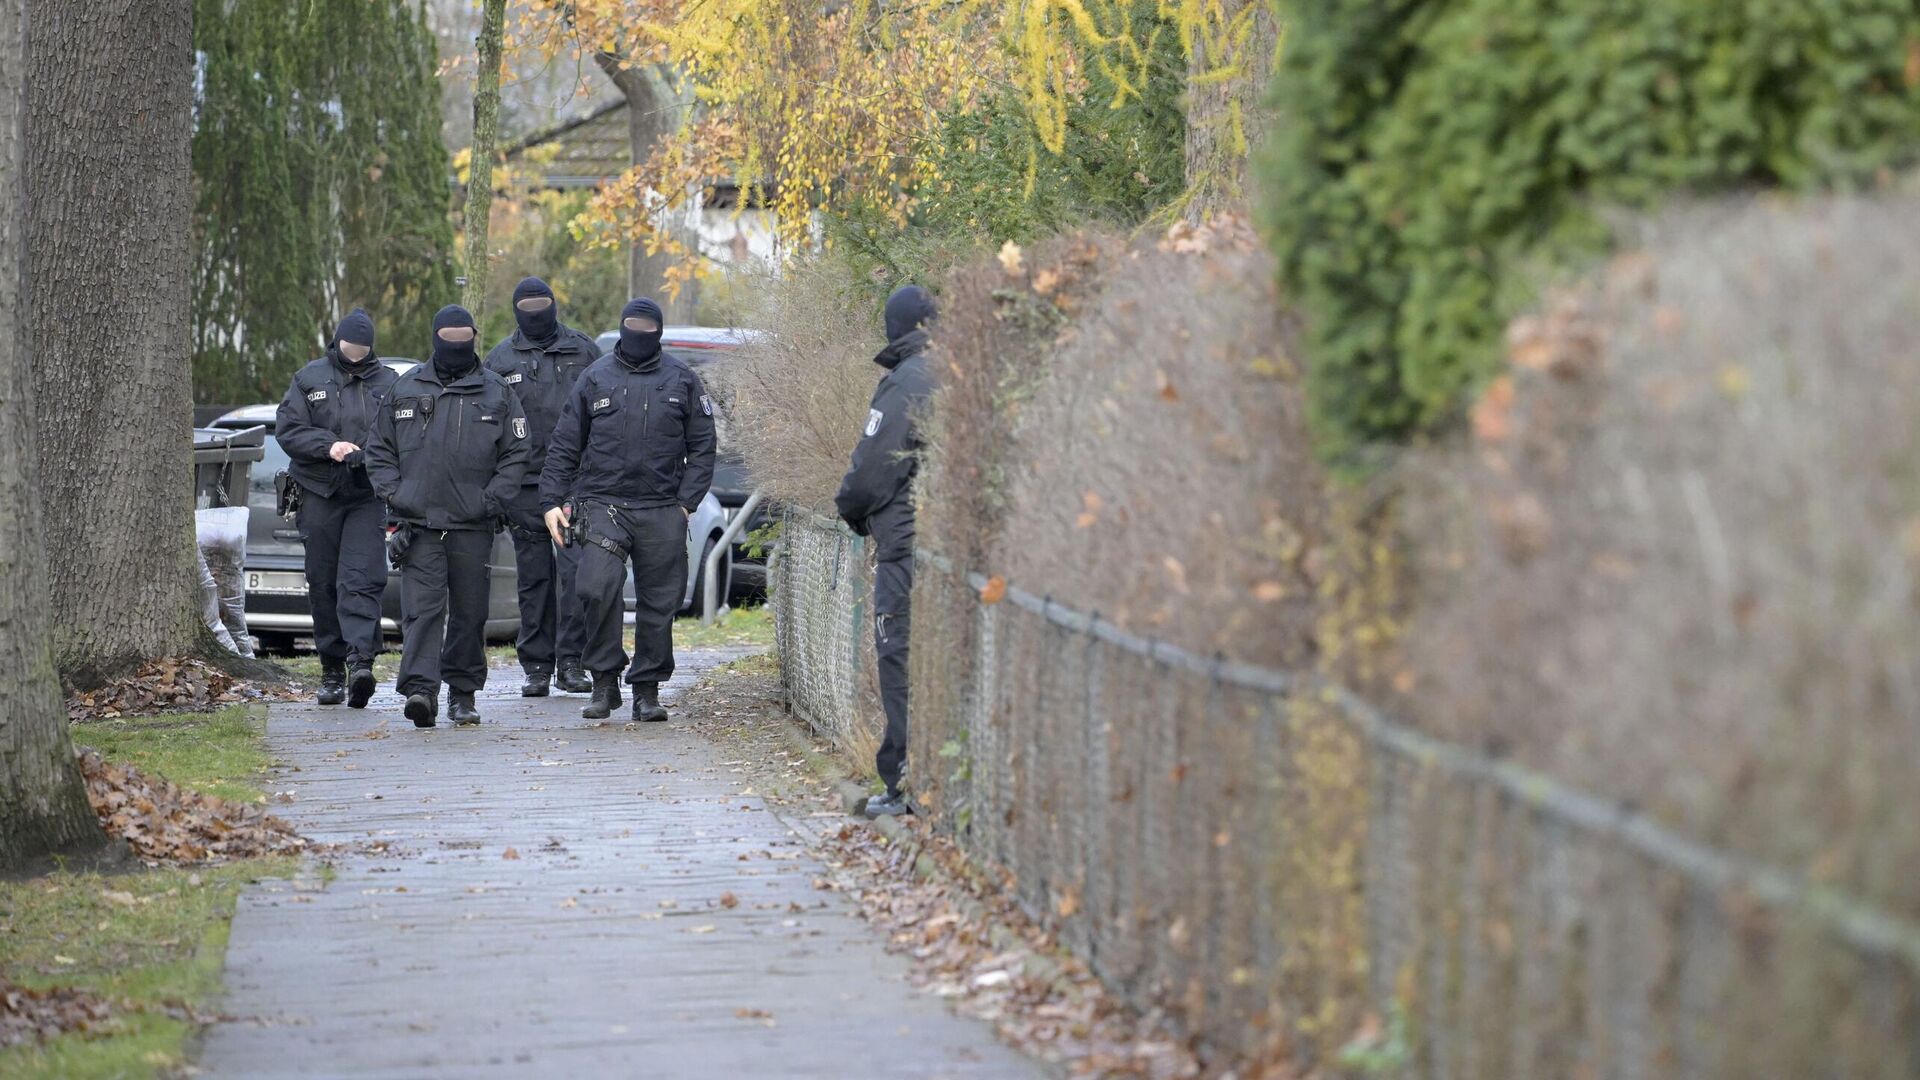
(339, 451)
(557, 523)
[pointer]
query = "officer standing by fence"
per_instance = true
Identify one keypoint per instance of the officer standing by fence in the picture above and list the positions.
(448, 454)
(634, 445)
(541, 361)
(876, 500)
(323, 424)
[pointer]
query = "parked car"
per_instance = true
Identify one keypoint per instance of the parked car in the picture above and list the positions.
(277, 610)
(706, 348)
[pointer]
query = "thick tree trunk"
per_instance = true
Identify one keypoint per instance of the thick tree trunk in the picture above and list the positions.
(109, 207)
(486, 130)
(1227, 117)
(43, 804)
(649, 122)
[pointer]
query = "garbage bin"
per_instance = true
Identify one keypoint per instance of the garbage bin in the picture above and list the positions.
(223, 464)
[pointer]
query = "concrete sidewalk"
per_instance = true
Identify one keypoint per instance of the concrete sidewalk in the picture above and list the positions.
(564, 899)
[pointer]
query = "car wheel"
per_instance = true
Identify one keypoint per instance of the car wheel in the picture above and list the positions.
(724, 579)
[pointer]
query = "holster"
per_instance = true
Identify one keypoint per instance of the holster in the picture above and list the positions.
(286, 494)
(579, 532)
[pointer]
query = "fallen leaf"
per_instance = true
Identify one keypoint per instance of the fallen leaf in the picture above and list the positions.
(728, 900)
(510, 853)
(994, 591)
(1010, 258)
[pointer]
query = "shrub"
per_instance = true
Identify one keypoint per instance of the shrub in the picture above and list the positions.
(1680, 561)
(1433, 157)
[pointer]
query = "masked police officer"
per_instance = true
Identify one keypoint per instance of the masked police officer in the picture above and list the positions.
(876, 499)
(541, 361)
(448, 454)
(323, 425)
(631, 459)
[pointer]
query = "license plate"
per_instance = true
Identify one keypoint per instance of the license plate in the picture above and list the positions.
(287, 583)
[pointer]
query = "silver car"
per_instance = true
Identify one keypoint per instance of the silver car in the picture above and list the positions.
(277, 610)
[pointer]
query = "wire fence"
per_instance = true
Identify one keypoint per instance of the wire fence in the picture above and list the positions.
(1294, 874)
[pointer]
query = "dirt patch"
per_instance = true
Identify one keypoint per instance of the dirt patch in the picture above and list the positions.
(168, 825)
(169, 685)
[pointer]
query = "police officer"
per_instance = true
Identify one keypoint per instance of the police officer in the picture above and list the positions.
(323, 425)
(541, 361)
(448, 454)
(876, 499)
(630, 461)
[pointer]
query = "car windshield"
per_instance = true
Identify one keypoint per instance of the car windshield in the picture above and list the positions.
(260, 483)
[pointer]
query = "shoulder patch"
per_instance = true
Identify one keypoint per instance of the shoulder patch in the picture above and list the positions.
(519, 427)
(317, 395)
(706, 405)
(874, 416)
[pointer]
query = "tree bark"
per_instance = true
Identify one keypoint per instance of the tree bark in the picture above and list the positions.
(109, 206)
(43, 803)
(486, 131)
(1228, 117)
(649, 122)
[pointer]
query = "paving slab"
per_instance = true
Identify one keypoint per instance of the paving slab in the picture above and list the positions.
(563, 898)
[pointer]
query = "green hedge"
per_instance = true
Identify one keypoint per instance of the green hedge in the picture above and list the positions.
(1434, 159)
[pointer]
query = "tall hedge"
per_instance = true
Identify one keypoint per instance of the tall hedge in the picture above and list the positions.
(321, 183)
(1435, 159)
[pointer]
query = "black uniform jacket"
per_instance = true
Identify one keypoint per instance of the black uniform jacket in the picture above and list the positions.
(543, 377)
(633, 437)
(325, 405)
(876, 495)
(449, 456)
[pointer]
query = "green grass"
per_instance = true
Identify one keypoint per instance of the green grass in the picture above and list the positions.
(148, 942)
(152, 942)
(739, 626)
(216, 753)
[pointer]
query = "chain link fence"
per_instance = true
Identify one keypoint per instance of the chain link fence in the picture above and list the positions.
(1297, 876)
(820, 586)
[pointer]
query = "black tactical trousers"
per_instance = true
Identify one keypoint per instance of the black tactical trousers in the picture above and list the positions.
(655, 542)
(892, 599)
(550, 626)
(443, 590)
(346, 546)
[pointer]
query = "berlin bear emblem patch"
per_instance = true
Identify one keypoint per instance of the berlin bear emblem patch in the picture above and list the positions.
(706, 405)
(519, 427)
(874, 416)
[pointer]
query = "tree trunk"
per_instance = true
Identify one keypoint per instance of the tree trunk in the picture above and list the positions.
(1228, 117)
(649, 122)
(486, 130)
(43, 804)
(109, 212)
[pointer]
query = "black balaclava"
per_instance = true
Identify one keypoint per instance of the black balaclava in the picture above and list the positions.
(356, 328)
(542, 328)
(909, 311)
(640, 349)
(450, 360)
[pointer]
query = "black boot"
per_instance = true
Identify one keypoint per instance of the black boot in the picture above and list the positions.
(460, 709)
(422, 708)
(333, 683)
(536, 684)
(573, 678)
(892, 804)
(360, 686)
(646, 703)
(606, 697)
